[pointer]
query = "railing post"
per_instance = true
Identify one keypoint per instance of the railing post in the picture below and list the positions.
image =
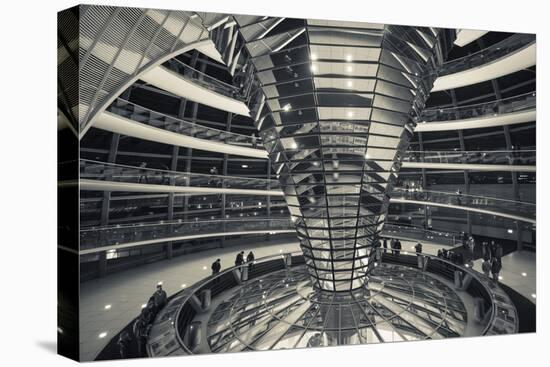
(193, 335)
(288, 260)
(102, 264)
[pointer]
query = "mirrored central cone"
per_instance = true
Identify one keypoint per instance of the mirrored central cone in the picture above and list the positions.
(336, 113)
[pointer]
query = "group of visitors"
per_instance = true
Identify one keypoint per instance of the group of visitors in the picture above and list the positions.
(492, 259)
(142, 324)
(395, 245)
(239, 260)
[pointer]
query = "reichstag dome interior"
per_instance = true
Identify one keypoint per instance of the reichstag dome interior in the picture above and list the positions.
(253, 183)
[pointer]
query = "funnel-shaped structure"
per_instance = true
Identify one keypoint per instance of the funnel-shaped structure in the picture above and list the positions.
(337, 112)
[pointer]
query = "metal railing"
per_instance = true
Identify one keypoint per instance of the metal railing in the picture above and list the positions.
(147, 116)
(517, 103)
(96, 170)
(174, 320)
(95, 237)
(491, 53)
(499, 206)
(162, 231)
(515, 157)
(204, 80)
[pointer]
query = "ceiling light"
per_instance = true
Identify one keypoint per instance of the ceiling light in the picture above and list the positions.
(287, 107)
(159, 283)
(107, 307)
(349, 69)
(524, 274)
(510, 231)
(204, 268)
(350, 113)
(244, 166)
(349, 58)
(144, 305)
(184, 285)
(534, 295)
(102, 335)
(313, 68)
(349, 84)
(313, 57)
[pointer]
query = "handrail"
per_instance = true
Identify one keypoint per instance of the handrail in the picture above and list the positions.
(121, 236)
(140, 234)
(515, 157)
(510, 157)
(91, 169)
(515, 210)
(494, 294)
(205, 281)
(145, 115)
(400, 189)
(517, 103)
(205, 80)
(491, 53)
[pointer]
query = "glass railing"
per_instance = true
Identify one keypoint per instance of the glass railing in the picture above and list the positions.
(152, 207)
(94, 237)
(102, 171)
(517, 103)
(501, 206)
(396, 230)
(144, 115)
(515, 157)
(120, 234)
(204, 80)
(94, 170)
(489, 54)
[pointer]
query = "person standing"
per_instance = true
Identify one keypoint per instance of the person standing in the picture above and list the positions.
(160, 298)
(140, 335)
(486, 267)
(498, 251)
(493, 249)
(148, 312)
(250, 260)
(124, 344)
(471, 244)
(496, 267)
(418, 249)
(397, 247)
(485, 250)
(239, 260)
(216, 267)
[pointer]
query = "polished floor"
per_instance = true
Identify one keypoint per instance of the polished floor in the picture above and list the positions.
(518, 272)
(108, 304)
